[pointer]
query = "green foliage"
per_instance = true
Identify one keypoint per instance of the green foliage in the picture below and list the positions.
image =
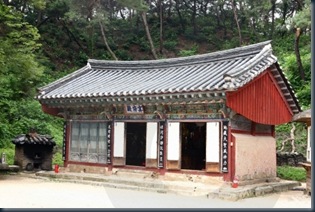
(57, 158)
(19, 70)
(283, 132)
(123, 54)
(303, 18)
(189, 52)
(139, 5)
(291, 173)
(170, 45)
(22, 115)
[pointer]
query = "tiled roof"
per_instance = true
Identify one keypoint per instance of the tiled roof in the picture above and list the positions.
(303, 116)
(207, 73)
(34, 138)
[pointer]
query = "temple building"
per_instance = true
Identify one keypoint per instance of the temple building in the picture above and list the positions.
(212, 114)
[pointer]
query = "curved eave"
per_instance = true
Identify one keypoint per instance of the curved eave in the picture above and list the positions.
(51, 105)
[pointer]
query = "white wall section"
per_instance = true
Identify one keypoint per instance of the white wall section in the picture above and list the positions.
(119, 139)
(151, 145)
(213, 142)
(173, 141)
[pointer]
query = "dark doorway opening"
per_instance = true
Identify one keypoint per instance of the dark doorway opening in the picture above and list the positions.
(136, 144)
(193, 150)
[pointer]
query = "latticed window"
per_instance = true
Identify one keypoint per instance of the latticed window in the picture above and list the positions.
(88, 142)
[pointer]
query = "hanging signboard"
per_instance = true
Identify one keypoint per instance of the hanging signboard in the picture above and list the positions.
(225, 142)
(134, 109)
(109, 133)
(161, 144)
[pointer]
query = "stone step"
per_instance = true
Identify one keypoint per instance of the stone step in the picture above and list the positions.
(178, 187)
(253, 190)
(10, 168)
(214, 190)
(140, 174)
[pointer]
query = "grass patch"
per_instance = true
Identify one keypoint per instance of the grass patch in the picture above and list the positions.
(291, 173)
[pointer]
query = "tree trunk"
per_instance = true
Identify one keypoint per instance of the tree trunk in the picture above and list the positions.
(144, 18)
(273, 10)
(193, 19)
(105, 41)
(223, 21)
(170, 9)
(122, 14)
(236, 20)
(297, 53)
(181, 20)
(161, 26)
(284, 11)
(291, 138)
(70, 34)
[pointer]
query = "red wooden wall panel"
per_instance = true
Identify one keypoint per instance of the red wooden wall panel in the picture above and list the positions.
(261, 101)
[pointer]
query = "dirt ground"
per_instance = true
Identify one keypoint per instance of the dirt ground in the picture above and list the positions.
(22, 192)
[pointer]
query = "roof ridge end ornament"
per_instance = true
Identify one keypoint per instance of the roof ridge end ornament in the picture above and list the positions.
(88, 64)
(266, 50)
(230, 77)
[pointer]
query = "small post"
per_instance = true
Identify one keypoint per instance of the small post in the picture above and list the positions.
(56, 168)
(3, 158)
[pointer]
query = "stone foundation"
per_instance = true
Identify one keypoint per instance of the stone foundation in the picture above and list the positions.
(85, 169)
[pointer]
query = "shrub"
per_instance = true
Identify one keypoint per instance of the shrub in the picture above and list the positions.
(189, 52)
(170, 45)
(291, 173)
(57, 159)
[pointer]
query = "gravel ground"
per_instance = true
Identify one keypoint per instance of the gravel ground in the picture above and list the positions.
(22, 192)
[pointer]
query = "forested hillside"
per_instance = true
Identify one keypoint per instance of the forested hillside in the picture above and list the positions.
(42, 40)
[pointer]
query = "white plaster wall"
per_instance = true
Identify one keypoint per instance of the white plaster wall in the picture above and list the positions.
(151, 145)
(173, 141)
(255, 157)
(119, 139)
(213, 142)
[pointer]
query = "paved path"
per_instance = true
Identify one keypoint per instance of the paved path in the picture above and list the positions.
(21, 192)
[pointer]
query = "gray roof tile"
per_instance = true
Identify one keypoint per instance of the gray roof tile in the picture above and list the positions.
(217, 71)
(34, 138)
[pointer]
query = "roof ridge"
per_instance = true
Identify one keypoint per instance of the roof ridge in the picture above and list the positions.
(231, 77)
(212, 56)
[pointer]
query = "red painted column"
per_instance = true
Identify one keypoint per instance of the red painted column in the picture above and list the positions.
(67, 143)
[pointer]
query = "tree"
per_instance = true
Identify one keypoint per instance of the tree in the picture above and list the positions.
(301, 22)
(19, 67)
(161, 25)
(19, 41)
(273, 11)
(140, 6)
(91, 12)
(291, 138)
(236, 20)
